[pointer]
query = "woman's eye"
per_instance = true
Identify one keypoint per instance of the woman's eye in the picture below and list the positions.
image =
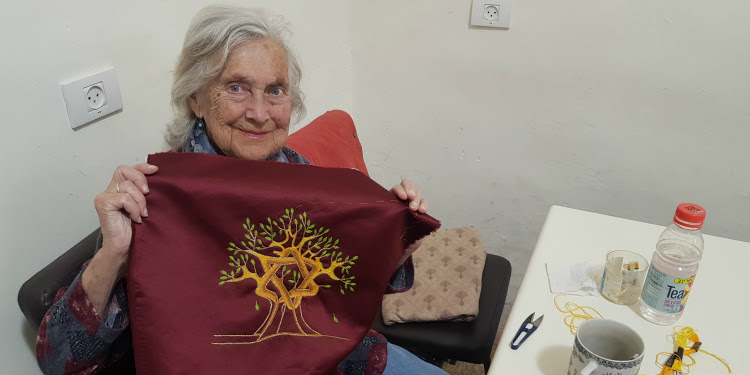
(277, 91)
(235, 88)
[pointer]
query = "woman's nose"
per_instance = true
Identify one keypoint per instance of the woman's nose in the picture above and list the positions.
(258, 109)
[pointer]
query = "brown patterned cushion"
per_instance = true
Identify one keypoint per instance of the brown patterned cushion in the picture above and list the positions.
(447, 281)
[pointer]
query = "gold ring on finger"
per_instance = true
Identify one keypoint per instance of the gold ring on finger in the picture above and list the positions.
(118, 187)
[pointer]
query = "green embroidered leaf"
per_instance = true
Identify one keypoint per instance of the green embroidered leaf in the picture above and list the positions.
(252, 227)
(355, 257)
(238, 270)
(232, 275)
(223, 278)
(335, 247)
(232, 244)
(287, 211)
(312, 226)
(305, 214)
(248, 236)
(236, 251)
(224, 272)
(342, 291)
(252, 261)
(231, 264)
(244, 226)
(291, 211)
(334, 318)
(221, 282)
(290, 281)
(268, 238)
(256, 306)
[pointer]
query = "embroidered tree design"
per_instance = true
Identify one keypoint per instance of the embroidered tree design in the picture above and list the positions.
(299, 253)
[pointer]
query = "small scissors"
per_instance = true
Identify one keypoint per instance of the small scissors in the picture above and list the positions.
(526, 330)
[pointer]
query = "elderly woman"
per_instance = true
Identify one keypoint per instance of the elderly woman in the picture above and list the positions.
(236, 89)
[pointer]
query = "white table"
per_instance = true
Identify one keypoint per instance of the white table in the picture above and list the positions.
(717, 308)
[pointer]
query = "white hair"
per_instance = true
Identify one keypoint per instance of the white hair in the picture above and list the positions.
(212, 34)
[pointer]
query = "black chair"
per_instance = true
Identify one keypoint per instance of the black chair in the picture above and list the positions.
(463, 341)
(37, 294)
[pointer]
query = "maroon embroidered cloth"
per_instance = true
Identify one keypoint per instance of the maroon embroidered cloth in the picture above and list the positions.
(260, 267)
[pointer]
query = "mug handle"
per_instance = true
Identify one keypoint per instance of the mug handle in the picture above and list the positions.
(590, 367)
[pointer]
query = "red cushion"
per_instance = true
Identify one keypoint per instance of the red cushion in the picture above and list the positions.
(330, 141)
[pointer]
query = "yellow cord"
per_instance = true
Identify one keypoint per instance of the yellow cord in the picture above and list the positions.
(685, 338)
(576, 314)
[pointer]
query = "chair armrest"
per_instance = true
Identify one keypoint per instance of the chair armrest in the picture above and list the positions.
(37, 294)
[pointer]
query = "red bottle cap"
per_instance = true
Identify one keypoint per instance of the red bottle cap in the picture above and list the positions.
(690, 215)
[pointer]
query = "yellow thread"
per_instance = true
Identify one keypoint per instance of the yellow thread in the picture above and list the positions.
(577, 314)
(685, 338)
(274, 335)
(722, 360)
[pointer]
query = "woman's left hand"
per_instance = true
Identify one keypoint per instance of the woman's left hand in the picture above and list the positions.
(406, 190)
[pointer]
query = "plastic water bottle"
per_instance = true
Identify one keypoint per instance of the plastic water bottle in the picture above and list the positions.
(674, 266)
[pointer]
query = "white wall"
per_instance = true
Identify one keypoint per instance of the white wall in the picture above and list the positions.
(50, 173)
(624, 107)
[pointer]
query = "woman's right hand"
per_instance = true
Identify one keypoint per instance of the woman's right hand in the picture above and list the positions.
(123, 201)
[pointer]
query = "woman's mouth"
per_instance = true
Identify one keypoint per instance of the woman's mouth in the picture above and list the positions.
(255, 135)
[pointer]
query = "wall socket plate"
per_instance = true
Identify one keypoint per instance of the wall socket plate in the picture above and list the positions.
(92, 97)
(491, 13)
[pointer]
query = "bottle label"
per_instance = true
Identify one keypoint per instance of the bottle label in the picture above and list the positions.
(666, 293)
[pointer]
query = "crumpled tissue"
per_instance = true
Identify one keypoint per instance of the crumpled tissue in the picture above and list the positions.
(577, 279)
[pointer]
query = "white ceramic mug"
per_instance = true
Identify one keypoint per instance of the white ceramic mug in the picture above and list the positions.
(606, 347)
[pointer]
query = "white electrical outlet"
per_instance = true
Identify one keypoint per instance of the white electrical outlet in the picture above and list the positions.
(491, 13)
(92, 97)
(95, 97)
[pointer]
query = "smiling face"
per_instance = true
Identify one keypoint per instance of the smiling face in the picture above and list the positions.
(247, 108)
